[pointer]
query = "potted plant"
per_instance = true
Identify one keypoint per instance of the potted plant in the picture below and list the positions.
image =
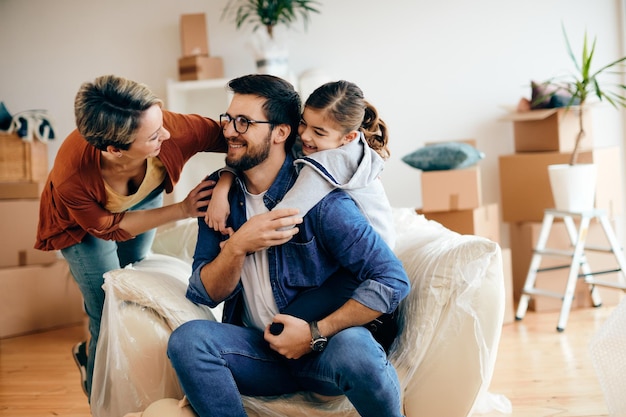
(271, 54)
(578, 87)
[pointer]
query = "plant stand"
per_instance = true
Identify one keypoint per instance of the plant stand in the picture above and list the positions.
(578, 261)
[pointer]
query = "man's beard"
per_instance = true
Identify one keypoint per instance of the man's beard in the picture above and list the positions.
(253, 156)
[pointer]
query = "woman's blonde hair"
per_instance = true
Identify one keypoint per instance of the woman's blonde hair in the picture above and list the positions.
(108, 110)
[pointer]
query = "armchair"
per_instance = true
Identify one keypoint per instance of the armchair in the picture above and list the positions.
(445, 352)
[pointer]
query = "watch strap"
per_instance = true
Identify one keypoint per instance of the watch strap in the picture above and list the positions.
(318, 342)
(315, 331)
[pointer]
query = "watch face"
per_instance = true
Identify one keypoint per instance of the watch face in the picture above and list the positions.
(319, 344)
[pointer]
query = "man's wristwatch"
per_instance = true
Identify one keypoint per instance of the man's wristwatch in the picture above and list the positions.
(318, 342)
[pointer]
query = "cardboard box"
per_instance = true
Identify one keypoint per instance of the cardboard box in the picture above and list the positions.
(200, 68)
(35, 298)
(22, 160)
(482, 221)
(18, 231)
(454, 189)
(550, 130)
(22, 189)
(509, 305)
(524, 237)
(193, 35)
(525, 186)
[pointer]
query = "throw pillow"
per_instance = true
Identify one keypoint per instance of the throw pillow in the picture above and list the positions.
(443, 156)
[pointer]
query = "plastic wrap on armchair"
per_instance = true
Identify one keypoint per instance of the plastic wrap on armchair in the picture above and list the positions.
(445, 353)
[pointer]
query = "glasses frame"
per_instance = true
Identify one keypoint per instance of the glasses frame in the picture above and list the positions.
(226, 118)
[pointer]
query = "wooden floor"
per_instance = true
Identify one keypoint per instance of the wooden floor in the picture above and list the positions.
(542, 372)
(38, 376)
(547, 373)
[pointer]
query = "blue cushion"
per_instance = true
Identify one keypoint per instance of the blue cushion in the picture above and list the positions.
(442, 156)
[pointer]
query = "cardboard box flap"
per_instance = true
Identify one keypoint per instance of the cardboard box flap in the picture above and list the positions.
(539, 114)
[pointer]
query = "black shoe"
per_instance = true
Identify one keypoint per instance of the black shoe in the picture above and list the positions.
(79, 352)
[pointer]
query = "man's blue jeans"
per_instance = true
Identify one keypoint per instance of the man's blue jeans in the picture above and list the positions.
(216, 363)
(91, 258)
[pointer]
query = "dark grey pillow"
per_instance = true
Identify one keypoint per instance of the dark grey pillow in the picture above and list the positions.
(444, 155)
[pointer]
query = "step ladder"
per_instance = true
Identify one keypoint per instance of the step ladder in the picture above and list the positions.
(578, 266)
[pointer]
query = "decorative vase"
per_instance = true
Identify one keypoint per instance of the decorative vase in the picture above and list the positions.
(271, 55)
(573, 186)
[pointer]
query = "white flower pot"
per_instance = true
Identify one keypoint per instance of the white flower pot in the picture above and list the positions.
(573, 186)
(271, 55)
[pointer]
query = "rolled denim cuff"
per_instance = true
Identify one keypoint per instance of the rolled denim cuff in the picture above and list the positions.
(196, 291)
(374, 295)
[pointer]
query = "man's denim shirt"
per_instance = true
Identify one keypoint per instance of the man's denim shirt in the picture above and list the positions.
(334, 237)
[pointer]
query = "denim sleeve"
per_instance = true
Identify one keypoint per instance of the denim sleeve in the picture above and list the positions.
(207, 249)
(351, 239)
(196, 291)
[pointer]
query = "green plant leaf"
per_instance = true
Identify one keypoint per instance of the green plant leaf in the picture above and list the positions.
(585, 81)
(269, 13)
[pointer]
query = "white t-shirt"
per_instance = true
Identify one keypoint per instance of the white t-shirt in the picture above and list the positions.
(259, 304)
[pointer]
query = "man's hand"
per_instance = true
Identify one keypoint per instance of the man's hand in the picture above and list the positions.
(262, 231)
(220, 276)
(295, 339)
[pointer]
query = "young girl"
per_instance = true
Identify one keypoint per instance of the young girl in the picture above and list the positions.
(342, 144)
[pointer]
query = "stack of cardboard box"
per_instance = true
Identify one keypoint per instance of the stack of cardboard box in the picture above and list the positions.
(454, 199)
(36, 289)
(542, 138)
(196, 63)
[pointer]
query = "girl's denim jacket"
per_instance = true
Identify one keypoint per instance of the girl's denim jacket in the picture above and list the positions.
(334, 237)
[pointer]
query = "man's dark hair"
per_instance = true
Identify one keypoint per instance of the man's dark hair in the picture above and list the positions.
(282, 104)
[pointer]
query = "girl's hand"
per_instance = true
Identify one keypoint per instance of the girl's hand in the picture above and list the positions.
(217, 212)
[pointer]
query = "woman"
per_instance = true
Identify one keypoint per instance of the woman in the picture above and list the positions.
(104, 195)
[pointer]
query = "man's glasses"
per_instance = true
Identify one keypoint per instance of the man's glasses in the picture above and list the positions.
(241, 123)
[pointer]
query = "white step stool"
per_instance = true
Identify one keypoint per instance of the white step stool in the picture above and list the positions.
(578, 261)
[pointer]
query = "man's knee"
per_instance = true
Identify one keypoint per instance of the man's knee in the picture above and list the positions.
(354, 336)
(346, 342)
(182, 338)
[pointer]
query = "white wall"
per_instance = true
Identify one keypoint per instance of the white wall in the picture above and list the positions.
(435, 70)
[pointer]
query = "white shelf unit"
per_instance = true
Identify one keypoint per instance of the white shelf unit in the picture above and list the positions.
(208, 98)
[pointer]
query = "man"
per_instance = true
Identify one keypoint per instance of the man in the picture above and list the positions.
(263, 265)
